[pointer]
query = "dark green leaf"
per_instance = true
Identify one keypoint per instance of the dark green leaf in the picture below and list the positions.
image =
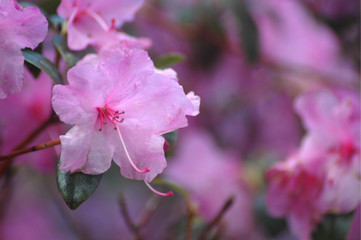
(76, 188)
(61, 45)
(333, 227)
(247, 29)
(171, 139)
(49, 5)
(43, 64)
(71, 57)
(34, 70)
(168, 60)
(270, 225)
(58, 23)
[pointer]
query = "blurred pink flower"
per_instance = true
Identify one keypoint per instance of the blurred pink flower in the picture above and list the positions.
(292, 192)
(238, 101)
(325, 173)
(293, 40)
(92, 22)
(25, 112)
(19, 28)
(120, 105)
(333, 122)
(211, 177)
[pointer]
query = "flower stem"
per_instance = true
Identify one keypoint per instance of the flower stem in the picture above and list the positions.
(31, 149)
(5, 166)
(217, 219)
(134, 228)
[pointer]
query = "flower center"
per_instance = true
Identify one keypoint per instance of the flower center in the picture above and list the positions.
(107, 113)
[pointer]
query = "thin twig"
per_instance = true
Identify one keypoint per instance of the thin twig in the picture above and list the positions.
(57, 58)
(150, 207)
(129, 222)
(7, 163)
(5, 193)
(37, 131)
(190, 218)
(217, 219)
(31, 149)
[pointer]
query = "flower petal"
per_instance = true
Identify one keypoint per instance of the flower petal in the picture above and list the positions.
(100, 153)
(145, 149)
(74, 148)
(11, 70)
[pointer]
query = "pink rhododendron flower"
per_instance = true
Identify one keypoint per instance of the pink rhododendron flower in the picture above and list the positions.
(92, 22)
(19, 28)
(211, 177)
(120, 105)
(325, 173)
(291, 193)
(333, 121)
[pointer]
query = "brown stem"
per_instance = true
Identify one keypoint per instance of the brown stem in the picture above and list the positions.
(36, 132)
(217, 219)
(31, 149)
(189, 222)
(129, 222)
(5, 193)
(150, 207)
(7, 163)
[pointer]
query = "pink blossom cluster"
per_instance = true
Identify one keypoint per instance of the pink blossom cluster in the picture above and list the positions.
(274, 154)
(118, 101)
(323, 176)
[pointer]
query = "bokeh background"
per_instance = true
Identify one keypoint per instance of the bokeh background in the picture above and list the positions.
(249, 61)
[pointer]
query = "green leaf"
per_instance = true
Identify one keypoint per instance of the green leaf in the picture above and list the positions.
(333, 227)
(76, 188)
(247, 29)
(171, 138)
(58, 23)
(34, 70)
(61, 45)
(71, 57)
(43, 64)
(168, 60)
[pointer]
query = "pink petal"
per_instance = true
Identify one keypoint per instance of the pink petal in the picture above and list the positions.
(20, 28)
(99, 156)
(145, 149)
(152, 99)
(11, 70)
(84, 29)
(77, 102)
(301, 225)
(25, 27)
(75, 145)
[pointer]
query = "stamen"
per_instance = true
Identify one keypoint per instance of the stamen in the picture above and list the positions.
(99, 20)
(128, 156)
(168, 194)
